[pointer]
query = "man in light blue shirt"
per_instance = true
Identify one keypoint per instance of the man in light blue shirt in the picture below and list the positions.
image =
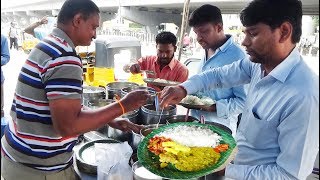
(220, 49)
(278, 136)
(5, 57)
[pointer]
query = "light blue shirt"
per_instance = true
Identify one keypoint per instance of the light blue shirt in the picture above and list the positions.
(278, 136)
(229, 101)
(5, 55)
(41, 33)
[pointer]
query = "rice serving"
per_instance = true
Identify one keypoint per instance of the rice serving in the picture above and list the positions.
(192, 136)
(195, 100)
(160, 80)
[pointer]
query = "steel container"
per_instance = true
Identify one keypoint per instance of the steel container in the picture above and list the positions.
(115, 88)
(137, 138)
(181, 118)
(150, 116)
(121, 135)
(151, 91)
(91, 93)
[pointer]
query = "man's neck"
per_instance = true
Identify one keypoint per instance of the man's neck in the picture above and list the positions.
(213, 49)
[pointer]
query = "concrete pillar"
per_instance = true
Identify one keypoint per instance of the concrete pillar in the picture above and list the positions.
(152, 29)
(106, 16)
(148, 18)
(35, 14)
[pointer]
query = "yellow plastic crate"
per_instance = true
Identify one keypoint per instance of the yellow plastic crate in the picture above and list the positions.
(97, 76)
(29, 44)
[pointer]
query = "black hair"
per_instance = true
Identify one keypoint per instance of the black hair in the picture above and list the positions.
(166, 37)
(205, 14)
(72, 7)
(273, 13)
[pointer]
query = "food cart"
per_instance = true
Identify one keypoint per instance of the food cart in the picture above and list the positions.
(111, 54)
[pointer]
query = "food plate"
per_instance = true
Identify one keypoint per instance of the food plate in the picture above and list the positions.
(197, 107)
(151, 161)
(196, 101)
(85, 156)
(167, 83)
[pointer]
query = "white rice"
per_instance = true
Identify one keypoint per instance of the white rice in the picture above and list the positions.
(194, 100)
(192, 136)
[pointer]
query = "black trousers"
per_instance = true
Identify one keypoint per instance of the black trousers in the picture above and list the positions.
(14, 42)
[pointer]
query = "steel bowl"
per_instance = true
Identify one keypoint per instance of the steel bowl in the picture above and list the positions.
(147, 129)
(137, 176)
(181, 118)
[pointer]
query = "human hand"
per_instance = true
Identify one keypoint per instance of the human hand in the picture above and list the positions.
(126, 68)
(172, 95)
(211, 108)
(135, 69)
(44, 20)
(125, 125)
(135, 99)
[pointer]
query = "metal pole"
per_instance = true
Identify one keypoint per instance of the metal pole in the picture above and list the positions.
(184, 25)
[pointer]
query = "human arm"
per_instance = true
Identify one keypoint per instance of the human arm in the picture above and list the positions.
(124, 124)
(62, 78)
(69, 119)
(140, 64)
(298, 142)
(233, 105)
(231, 75)
(5, 55)
(30, 28)
(239, 71)
(135, 68)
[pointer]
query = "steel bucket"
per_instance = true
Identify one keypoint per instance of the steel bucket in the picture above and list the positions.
(150, 116)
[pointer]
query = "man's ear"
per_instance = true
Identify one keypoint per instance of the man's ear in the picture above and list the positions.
(219, 27)
(285, 32)
(175, 48)
(76, 20)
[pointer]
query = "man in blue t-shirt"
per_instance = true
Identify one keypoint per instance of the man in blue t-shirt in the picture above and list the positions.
(5, 57)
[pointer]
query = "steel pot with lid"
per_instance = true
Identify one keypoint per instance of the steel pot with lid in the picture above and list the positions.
(91, 93)
(115, 88)
(151, 91)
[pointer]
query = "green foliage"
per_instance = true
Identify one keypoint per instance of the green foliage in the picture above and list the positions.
(135, 25)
